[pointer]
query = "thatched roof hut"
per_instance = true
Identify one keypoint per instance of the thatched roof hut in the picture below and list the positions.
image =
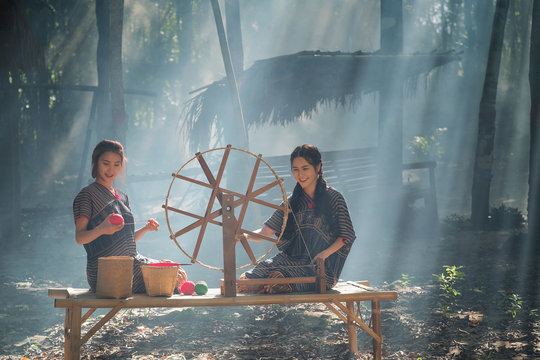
(282, 89)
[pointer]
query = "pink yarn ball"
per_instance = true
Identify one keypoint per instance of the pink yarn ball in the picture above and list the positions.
(188, 288)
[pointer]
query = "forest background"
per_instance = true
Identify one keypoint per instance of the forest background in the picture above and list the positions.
(74, 72)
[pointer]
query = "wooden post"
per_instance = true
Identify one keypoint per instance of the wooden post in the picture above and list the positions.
(321, 277)
(351, 327)
(72, 333)
(67, 334)
(229, 255)
(376, 321)
(234, 35)
(239, 127)
(433, 198)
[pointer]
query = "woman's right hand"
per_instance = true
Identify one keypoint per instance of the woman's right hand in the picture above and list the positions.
(239, 237)
(107, 228)
(85, 236)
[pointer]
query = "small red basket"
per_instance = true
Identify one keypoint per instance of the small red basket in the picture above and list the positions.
(160, 278)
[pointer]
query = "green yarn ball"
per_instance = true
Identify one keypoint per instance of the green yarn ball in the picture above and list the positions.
(201, 288)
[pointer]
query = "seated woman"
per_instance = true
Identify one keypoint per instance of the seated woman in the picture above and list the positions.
(94, 206)
(319, 227)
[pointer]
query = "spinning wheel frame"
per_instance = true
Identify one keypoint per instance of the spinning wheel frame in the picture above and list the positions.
(217, 193)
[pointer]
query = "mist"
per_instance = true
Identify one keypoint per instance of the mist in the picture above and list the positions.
(439, 105)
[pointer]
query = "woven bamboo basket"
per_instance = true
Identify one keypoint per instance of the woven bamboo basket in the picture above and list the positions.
(160, 278)
(115, 277)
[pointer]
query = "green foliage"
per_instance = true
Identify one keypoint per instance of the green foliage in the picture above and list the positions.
(406, 280)
(31, 349)
(449, 284)
(427, 147)
(512, 303)
(515, 305)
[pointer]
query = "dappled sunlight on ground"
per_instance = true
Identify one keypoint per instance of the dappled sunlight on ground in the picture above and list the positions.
(491, 315)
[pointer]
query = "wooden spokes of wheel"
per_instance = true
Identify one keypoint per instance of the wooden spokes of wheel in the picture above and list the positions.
(218, 193)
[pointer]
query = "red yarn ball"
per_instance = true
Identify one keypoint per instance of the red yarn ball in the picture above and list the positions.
(116, 219)
(188, 288)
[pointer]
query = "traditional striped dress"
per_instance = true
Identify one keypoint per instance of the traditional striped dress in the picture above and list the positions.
(96, 202)
(310, 235)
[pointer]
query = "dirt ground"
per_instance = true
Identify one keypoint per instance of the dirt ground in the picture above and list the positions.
(490, 312)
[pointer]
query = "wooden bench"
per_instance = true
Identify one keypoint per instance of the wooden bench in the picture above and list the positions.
(343, 300)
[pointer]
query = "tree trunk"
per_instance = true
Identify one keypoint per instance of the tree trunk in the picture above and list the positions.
(111, 117)
(104, 118)
(390, 137)
(10, 177)
(533, 206)
(118, 108)
(515, 99)
(17, 41)
(45, 135)
(486, 122)
(470, 86)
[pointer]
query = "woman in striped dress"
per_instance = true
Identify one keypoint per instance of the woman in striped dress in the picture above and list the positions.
(319, 227)
(93, 207)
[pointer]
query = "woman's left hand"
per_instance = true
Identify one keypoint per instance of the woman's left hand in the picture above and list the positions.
(322, 255)
(152, 225)
(338, 244)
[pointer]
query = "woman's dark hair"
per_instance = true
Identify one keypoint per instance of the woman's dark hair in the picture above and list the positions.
(103, 147)
(321, 198)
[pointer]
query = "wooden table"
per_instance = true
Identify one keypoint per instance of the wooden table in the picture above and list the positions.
(343, 300)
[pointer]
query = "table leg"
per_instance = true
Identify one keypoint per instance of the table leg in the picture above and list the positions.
(72, 333)
(67, 334)
(351, 326)
(376, 322)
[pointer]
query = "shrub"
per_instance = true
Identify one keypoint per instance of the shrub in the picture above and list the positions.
(505, 218)
(450, 285)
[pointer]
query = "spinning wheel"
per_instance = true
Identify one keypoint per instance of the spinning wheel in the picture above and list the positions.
(228, 200)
